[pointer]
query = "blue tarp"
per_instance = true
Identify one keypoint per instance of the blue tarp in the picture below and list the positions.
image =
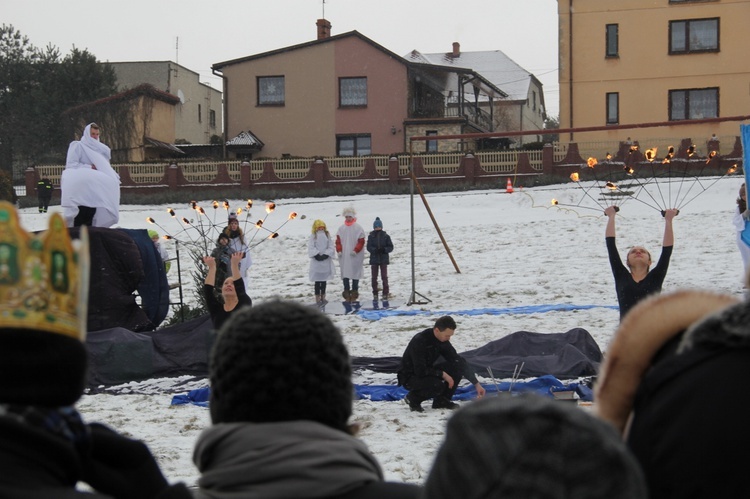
(375, 315)
(543, 385)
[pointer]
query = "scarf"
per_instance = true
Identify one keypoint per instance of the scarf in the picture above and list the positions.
(63, 422)
(285, 459)
(98, 153)
(350, 222)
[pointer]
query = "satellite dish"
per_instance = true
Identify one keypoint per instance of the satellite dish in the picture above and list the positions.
(181, 96)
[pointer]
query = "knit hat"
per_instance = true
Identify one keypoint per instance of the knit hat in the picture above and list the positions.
(377, 223)
(317, 224)
(531, 446)
(222, 236)
(349, 212)
(232, 216)
(43, 298)
(153, 234)
(280, 361)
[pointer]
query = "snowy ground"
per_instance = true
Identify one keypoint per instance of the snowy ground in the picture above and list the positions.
(511, 249)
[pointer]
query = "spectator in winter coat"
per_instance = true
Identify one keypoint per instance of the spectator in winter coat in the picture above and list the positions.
(222, 253)
(281, 399)
(531, 446)
(431, 368)
(379, 245)
(321, 250)
(90, 188)
(44, 193)
(238, 245)
(350, 245)
(636, 282)
(46, 448)
(670, 384)
(233, 293)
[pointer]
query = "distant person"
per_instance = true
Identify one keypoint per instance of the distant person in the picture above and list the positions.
(739, 220)
(432, 369)
(634, 282)
(160, 249)
(379, 246)
(671, 384)
(222, 253)
(281, 400)
(44, 193)
(350, 245)
(233, 293)
(239, 245)
(530, 446)
(321, 251)
(46, 447)
(90, 188)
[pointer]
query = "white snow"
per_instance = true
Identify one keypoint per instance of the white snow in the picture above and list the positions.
(511, 249)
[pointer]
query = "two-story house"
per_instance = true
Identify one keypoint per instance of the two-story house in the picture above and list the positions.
(652, 61)
(346, 95)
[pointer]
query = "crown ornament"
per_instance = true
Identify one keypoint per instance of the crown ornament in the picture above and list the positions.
(44, 278)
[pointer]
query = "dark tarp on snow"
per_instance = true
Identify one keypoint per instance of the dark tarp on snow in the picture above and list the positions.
(118, 355)
(563, 355)
(124, 261)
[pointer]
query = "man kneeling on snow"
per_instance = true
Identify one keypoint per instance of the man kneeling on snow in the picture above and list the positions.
(431, 368)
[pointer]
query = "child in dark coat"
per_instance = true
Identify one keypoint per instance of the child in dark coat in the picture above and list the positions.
(379, 245)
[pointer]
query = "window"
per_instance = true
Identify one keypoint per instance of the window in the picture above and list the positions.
(613, 108)
(693, 104)
(612, 40)
(212, 118)
(352, 92)
(353, 145)
(695, 35)
(431, 145)
(200, 114)
(271, 91)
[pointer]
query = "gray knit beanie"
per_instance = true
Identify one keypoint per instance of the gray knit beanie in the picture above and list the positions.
(280, 361)
(532, 447)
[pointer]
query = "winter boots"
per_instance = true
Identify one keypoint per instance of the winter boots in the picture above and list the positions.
(350, 296)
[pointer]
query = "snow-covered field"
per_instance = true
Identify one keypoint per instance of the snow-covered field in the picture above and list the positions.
(511, 250)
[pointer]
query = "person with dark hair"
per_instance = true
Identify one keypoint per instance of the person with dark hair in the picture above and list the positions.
(89, 186)
(44, 193)
(739, 220)
(531, 447)
(281, 400)
(671, 385)
(431, 368)
(238, 245)
(636, 282)
(46, 448)
(233, 294)
(222, 253)
(379, 245)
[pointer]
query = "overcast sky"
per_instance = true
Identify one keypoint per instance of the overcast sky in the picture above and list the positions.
(198, 34)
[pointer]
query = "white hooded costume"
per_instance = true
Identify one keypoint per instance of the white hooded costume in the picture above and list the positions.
(350, 242)
(82, 185)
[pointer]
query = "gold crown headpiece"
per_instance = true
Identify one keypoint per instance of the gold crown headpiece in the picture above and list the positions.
(44, 279)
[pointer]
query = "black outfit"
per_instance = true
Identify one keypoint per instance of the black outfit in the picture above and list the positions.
(422, 366)
(630, 292)
(85, 216)
(216, 308)
(44, 193)
(37, 464)
(379, 245)
(690, 415)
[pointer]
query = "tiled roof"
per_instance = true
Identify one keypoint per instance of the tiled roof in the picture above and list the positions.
(246, 139)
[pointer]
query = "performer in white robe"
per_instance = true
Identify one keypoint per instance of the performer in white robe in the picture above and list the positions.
(350, 244)
(90, 187)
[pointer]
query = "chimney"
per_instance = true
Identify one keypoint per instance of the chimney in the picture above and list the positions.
(456, 49)
(324, 29)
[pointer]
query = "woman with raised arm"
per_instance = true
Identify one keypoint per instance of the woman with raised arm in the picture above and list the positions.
(233, 293)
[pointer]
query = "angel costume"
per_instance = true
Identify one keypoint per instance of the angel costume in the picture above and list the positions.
(83, 186)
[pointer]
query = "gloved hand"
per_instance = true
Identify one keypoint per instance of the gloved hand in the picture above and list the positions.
(382, 251)
(320, 257)
(121, 467)
(354, 253)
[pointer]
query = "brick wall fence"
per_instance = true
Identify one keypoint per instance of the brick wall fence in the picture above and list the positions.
(548, 166)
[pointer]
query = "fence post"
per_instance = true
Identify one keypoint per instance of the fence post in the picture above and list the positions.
(470, 165)
(172, 176)
(30, 179)
(393, 170)
(245, 175)
(548, 158)
(317, 170)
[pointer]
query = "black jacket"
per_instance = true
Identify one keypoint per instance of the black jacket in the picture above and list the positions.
(379, 245)
(423, 351)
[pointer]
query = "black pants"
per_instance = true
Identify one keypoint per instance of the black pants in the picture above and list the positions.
(431, 387)
(43, 204)
(320, 287)
(85, 216)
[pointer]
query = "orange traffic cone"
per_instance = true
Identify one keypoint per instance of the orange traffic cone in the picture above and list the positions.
(509, 187)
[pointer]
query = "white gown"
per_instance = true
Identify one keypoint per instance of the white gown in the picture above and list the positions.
(351, 266)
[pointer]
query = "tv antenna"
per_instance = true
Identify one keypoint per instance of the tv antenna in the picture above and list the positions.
(324, 9)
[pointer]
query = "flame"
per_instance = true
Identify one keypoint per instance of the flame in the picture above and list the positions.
(201, 210)
(170, 211)
(270, 207)
(611, 186)
(226, 205)
(628, 170)
(215, 204)
(591, 162)
(732, 169)
(249, 203)
(651, 154)
(185, 221)
(554, 202)
(633, 148)
(193, 205)
(274, 235)
(292, 215)
(574, 176)
(259, 224)
(670, 151)
(710, 156)
(239, 211)
(167, 236)
(691, 150)
(608, 156)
